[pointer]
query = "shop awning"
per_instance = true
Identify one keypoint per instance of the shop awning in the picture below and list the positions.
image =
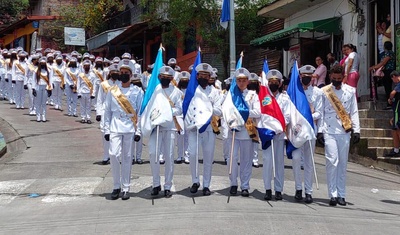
(103, 38)
(328, 26)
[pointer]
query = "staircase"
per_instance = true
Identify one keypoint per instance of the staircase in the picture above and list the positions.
(376, 137)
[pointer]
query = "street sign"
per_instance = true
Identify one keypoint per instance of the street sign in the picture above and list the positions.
(35, 24)
(74, 36)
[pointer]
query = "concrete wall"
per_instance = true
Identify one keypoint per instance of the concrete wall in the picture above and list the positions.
(351, 31)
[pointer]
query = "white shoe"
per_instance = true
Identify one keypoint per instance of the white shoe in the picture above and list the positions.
(44, 118)
(56, 107)
(18, 107)
(22, 107)
(33, 112)
(38, 119)
(186, 160)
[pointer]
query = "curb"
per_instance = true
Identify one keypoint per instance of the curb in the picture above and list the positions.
(3, 145)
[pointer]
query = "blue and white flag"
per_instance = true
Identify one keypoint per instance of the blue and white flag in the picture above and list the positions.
(225, 14)
(196, 107)
(155, 110)
(271, 121)
(234, 109)
(301, 126)
(264, 72)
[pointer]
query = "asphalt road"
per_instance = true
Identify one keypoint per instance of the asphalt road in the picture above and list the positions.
(52, 182)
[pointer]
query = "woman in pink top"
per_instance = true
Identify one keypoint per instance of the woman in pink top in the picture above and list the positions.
(351, 64)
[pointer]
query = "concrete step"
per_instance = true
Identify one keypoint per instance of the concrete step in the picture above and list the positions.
(380, 105)
(365, 113)
(374, 142)
(375, 123)
(375, 132)
(382, 151)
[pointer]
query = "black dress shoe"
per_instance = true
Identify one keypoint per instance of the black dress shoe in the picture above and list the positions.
(308, 199)
(162, 162)
(206, 191)
(268, 195)
(133, 161)
(105, 162)
(115, 194)
(225, 162)
(333, 201)
(155, 191)
(245, 193)
(167, 193)
(125, 196)
(299, 195)
(83, 121)
(233, 190)
(89, 122)
(194, 188)
(341, 201)
(255, 165)
(278, 196)
(139, 161)
(178, 161)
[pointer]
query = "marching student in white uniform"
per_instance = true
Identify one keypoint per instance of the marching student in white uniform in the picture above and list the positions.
(137, 146)
(182, 138)
(58, 82)
(314, 98)
(224, 127)
(207, 138)
(334, 130)
(121, 107)
(254, 85)
(42, 89)
(166, 134)
(85, 88)
(19, 78)
(3, 68)
(30, 72)
(275, 80)
(71, 82)
(112, 80)
(243, 145)
(100, 75)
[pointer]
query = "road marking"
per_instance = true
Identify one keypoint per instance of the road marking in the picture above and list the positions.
(72, 190)
(9, 190)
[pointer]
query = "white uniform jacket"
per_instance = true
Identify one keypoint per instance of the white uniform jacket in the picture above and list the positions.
(330, 122)
(253, 102)
(116, 120)
(314, 98)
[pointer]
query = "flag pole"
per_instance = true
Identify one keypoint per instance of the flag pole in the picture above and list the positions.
(158, 128)
(315, 170)
(232, 40)
(231, 157)
(273, 157)
(197, 154)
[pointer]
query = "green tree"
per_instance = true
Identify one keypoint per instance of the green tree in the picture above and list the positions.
(181, 16)
(12, 10)
(91, 15)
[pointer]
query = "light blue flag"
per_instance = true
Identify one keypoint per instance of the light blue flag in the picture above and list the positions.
(225, 14)
(156, 109)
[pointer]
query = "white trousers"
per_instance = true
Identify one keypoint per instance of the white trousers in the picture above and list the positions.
(336, 154)
(72, 100)
(19, 93)
(57, 94)
(137, 149)
(255, 152)
(165, 137)
(182, 144)
(120, 148)
(40, 101)
(305, 153)
(106, 147)
(31, 98)
(85, 106)
(207, 142)
(242, 150)
(279, 145)
(3, 86)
